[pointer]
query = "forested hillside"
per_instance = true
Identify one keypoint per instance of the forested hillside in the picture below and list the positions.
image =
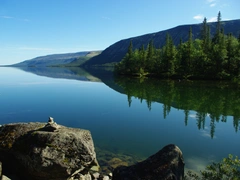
(117, 51)
(207, 57)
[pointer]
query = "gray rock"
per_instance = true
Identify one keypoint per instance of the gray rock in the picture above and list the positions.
(31, 152)
(5, 178)
(110, 174)
(95, 175)
(81, 177)
(105, 178)
(51, 125)
(167, 164)
(50, 120)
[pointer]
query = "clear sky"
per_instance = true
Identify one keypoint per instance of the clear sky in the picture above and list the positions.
(31, 28)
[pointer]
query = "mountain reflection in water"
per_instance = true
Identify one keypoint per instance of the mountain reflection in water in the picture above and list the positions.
(208, 98)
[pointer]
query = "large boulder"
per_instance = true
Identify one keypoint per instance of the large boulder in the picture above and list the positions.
(167, 164)
(40, 151)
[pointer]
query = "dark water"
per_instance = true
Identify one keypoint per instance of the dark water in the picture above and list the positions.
(131, 117)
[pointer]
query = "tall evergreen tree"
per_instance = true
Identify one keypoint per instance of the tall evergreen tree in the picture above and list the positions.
(189, 53)
(169, 55)
(217, 35)
(130, 49)
(204, 31)
(142, 57)
(150, 56)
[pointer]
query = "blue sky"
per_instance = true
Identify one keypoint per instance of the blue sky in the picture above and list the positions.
(31, 28)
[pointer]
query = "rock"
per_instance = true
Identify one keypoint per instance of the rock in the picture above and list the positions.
(95, 175)
(105, 178)
(51, 125)
(81, 177)
(5, 178)
(115, 162)
(167, 164)
(31, 152)
(110, 175)
(50, 120)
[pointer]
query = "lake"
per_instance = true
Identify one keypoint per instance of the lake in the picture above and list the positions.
(128, 118)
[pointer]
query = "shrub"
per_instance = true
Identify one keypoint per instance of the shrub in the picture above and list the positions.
(228, 168)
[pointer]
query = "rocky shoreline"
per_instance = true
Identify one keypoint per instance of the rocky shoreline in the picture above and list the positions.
(38, 151)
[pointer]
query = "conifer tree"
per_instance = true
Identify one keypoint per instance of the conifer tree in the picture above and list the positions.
(204, 31)
(150, 56)
(189, 53)
(130, 49)
(216, 38)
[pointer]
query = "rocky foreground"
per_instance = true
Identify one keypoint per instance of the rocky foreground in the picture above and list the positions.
(38, 151)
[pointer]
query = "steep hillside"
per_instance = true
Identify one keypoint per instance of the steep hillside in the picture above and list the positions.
(52, 60)
(116, 52)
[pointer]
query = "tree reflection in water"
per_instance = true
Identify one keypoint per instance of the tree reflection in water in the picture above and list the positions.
(214, 99)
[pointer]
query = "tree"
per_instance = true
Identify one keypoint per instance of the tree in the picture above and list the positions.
(205, 36)
(150, 56)
(187, 60)
(232, 59)
(219, 56)
(204, 31)
(179, 58)
(130, 49)
(169, 55)
(216, 38)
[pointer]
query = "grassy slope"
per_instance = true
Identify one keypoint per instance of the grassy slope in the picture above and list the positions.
(83, 59)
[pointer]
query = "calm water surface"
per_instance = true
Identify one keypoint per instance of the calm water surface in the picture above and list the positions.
(132, 122)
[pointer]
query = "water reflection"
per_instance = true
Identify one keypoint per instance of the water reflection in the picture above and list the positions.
(64, 73)
(206, 106)
(214, 99)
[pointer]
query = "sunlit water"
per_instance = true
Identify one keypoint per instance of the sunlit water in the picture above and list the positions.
(116, 127)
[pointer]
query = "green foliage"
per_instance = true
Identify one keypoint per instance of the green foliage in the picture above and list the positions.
(205, 58)
(228, 168)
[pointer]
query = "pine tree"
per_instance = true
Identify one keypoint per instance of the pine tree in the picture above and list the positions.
(150, 57)
(179, 58)
(130, 49)
(169, 56)
(142, 57)
(204, 31)
(189, 53)
(217, 35)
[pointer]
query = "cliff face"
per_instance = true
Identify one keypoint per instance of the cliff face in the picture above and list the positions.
(116, 52)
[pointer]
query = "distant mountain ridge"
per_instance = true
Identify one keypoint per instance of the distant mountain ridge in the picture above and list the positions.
(55, 59)
(116, 52)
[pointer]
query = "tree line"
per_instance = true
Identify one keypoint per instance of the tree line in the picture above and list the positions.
(216, 57)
